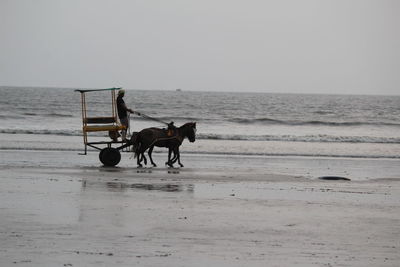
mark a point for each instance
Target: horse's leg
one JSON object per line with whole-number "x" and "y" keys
{"x": 169, "y": 154}
{"x": 143, "y": 147}
{"x": 175, "y": 157}
{"x": 144, "y": 158}
{"x": 139, "y": 159}
{"x": 179, "y": 156}
{"x": 151, "y": 158}
{"x": 137, "y": 146}
{"x": 169, "y": 162}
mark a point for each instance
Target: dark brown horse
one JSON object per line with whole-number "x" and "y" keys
{"x": 150, "y": 137}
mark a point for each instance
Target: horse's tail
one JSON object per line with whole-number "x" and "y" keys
{"x": 136, "y": 143}
{"x": 137, "y": 149}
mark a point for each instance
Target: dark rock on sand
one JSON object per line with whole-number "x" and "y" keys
{"x": 334, "y": 178}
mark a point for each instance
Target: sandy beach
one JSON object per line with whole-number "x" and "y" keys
{"x": 61, "y": 209}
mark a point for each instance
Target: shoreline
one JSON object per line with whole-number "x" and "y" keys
{"x": 356, "y": 169}
{"x": 218, "y": 147}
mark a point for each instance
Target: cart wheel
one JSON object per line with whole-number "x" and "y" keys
{"x": 101, "y": 154}
{"x": 110, "y": 156}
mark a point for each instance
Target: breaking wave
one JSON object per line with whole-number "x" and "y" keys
{"x": 305, "y": 138}
{"x": 322, "y": 138}
{"x": 59, "y": 115}
{"x": 172, "y": 118}
{"x": 311, "y": 122}
{"x": 42, "y": 132}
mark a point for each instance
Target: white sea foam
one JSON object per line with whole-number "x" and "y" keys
{"x": 283, "y": 138}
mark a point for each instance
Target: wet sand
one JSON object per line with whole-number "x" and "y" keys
{"x": 60, "y": 209}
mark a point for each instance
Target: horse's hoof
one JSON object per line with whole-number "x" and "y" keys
{"x": 154, "y": 165}
{"x": 181, "y": 165}
{"x": 140, "y": 166}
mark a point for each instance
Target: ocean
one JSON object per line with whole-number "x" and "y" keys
{"x": 260, "y": 124}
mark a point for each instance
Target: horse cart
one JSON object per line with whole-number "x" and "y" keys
{"x": 109, "y": 150}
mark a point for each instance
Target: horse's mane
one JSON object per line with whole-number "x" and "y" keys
{"x": 190, "y": 124}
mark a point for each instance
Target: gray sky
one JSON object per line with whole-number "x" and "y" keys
{"x": 311, "y": 46}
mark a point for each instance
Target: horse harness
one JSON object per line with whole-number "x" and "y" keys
{"x": 170, "y": 135}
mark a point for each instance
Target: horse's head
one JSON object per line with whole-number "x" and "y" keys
{"x": 190, "y": 131}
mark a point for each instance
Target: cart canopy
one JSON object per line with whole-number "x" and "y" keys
{"x": 95, "y": 90}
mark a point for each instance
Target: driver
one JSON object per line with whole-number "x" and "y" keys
{"x": 123, "y": 113}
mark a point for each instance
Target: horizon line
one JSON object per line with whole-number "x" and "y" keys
{"x": 207, "y": 90}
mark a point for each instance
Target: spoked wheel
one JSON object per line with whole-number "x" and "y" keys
{"x": 110, "y": 156}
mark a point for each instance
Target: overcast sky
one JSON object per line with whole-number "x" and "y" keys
{"x": 310, "y": 46}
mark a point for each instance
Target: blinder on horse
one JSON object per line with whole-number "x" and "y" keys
{"x": 192, "y": 135}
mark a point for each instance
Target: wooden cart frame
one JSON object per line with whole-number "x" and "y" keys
{"x": 109, "y": 155}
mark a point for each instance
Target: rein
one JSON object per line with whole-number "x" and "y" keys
{"x": 149, "y": 117}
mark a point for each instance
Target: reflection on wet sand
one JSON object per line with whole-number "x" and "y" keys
{"x": 157, "y": 187}
{"x": 139, "y": 170}
{"x": 122, "y": 186}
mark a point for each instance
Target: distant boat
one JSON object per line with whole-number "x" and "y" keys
{"x": 179, "y": 90}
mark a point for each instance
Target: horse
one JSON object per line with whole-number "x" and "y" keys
{"x": 150, "y": 137}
